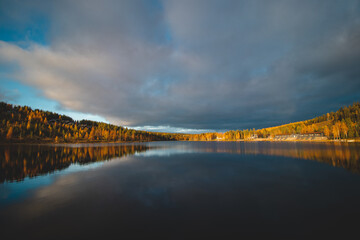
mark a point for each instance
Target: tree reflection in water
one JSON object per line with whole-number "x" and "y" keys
{"x": 20, "y": 161}
{"x": 183, "y": 190}
{"x": 345, "y": 155}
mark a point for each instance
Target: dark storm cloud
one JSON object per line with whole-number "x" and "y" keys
{"x": 195, "y": 64}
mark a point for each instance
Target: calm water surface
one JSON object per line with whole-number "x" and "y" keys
{"x": 180, "y": 190}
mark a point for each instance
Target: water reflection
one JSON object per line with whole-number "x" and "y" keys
{"x": 345, "y": 155}
{"x": 20, "y": 161}
{"x": 183, "y": 190}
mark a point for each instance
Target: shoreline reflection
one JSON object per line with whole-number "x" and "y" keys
{"x": 21, "y": 161}
{"x": 344, "y": 155}
{"x": 18, "y": 162}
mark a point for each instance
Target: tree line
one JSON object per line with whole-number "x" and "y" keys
{"x": 342, "y": 124}
{"x": 23, "y": 124}
{"x": 19, "y": 123}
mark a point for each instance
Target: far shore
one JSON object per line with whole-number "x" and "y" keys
{"x": 51, "y": 141}
{"x": 272, "y": 140}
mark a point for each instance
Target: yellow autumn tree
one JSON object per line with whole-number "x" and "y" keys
{"x": 344, "y": 129}
{"x": 326, "y": 131}
{"x": 9, "y": 133}
{"x": 336, "y": 130}
{"x": 92, "y": 134}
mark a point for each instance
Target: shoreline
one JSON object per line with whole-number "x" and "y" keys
{"x": 271, "y": 140}
{"x": 50, "y": 142}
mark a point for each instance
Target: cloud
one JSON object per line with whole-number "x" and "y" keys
{"x": 193, "y": 64}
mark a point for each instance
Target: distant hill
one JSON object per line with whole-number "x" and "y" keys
{"x": 23, "y": 124}
{"x": 342, "y": 124}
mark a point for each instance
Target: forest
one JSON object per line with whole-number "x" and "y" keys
{"x": 23, "y": 124}
{"x": 342, "y": 124}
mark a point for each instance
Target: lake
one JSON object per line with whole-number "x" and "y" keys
{"x": 180, "y": 190}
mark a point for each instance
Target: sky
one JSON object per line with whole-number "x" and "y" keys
{"x": 181, "y": 66}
